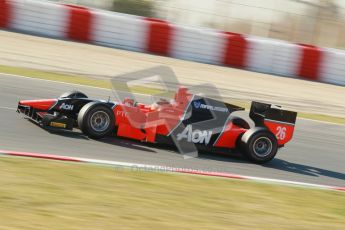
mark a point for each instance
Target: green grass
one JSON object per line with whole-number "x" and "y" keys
{"x": 42, "y": 194}
{"x": 82, "y": 80}
{"x": 102, "y": 83}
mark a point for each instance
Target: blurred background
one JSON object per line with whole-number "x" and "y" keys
{"x": 316, "y": 22}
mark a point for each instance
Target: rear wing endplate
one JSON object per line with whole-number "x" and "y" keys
{"x": 261, "y": 112}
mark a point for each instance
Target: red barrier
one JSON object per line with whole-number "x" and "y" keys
{"x": 5, "y": 13}
{"x": 159, "y": 36}
{"x": 79, "y": 24}
{"x": 235, "y": 51}
{"x": 310, "y": 61}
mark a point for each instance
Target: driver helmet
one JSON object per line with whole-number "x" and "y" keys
{"x": 128, "y": 101}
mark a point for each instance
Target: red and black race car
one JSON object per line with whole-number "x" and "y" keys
{"x": 189, "y": 121}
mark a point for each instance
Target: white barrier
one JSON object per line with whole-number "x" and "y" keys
{"x": 39, "y": 18}
{"x": 271, "y": 56}
{"x": 119, "y": 31}
{"x": 197, "y": 45}
{"x": 333, "y": 67}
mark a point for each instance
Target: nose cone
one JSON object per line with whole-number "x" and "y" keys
{"x": 43, "y": 104}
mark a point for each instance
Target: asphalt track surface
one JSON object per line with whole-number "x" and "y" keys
{"x": 316, "y": 154}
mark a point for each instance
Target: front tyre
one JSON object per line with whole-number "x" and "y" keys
{"x": 96, "y": 120}
{"x": 259, "y": 145}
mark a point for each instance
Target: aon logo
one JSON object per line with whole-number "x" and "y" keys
{"x": 66, "y": 106}
{"x": 196, "y": 136}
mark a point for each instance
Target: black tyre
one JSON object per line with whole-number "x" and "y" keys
{"x": 259, "y": 145}
{"x": 73, "y": 94}
{"x": 96, "y": 120}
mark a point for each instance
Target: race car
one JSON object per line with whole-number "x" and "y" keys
{"x": 188, "y": 121}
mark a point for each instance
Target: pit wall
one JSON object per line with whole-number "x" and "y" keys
{"x": 163, "y": 38}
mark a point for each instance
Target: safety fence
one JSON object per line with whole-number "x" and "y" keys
{"x": 163, "y": 38}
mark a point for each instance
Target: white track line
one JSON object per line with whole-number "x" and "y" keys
{"x": 7, "y": 108}
{"x": 52, "y": 81}
{"x": 156, "y": 168}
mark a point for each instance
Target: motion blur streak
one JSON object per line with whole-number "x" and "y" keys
{"x": 160, "y": 37}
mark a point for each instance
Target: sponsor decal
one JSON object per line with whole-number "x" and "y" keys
{"x": 121, "y": 113}
{"x": 196, "y": 136}
{"x": 57, "y": 125}
{"x": 214, "y": 108}
{"x": 199, "y": 105}
{"x": 65, "y": 106}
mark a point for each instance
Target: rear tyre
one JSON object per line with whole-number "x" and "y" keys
{"x": 259, "y": 145}
{"x": 96, "y": 120}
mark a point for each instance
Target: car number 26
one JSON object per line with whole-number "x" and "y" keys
{"x": 281, "y": 133}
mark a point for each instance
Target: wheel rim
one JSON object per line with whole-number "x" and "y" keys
{"x": 100, "y": 121}
{"x": 263, "y": 146}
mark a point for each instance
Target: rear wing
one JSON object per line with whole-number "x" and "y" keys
{"x": 280, "y": 122}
